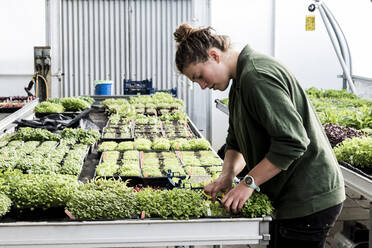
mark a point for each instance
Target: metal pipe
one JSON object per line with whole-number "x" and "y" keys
{"x": 340, "y": 43}
{"x": 358, "y": 78}
{"x": 342, "y": 62}
{"x": 337, "y": 28}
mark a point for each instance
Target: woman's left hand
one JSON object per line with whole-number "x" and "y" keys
{"x": 235, "y": 198}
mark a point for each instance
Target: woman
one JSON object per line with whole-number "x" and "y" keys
{"x": 274, "y": 131}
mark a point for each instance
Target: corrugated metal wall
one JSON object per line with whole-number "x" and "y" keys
{"x": 129, "y": 39}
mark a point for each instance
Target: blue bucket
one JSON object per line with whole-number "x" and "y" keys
{"x": 103, "y": 89}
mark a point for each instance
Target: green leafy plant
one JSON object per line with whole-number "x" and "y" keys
{"x": 168, "y": 155}
{"x": 195, "y": 171}
{"x": 5, "y": 204}
{"x": 129, "y": 170}
{"x": 49, "y": 107}
{"x": 199, "y": 144}
{"x": 258, "y": 205}
{"x": 15, "y": 144}
{"x": 161, "y": 144}
{"x": 107, "y": 169}
{"x": 190, "y": 161}
{"x": 103, "y": 199}
{"x": 87, "y": 137}
{"x": 74, "y": 104}
{"x": 126, "y": 162}
{"x": 210, "y": 161}
{"x": 130, "y": 155}
{"x": 151, "y": 171}
{"x": 38, "y": 191}
{"x": 29, "y": 146}
{"x": 176, "y": 203}
{"x": 355, "y": 151}
{"x": 126, "y": 145}
{"x": 71, "y": 167}
{"x": 108, "y": 146}
{"x": 111, "y": 156}
{"x": 34, "y": 134}
{"x": 180, "y": 144}
{"x": 143, "y": 144}
{"x": 341, "y": 108}
{"x": 88, "y": 99}
{"x": 174, "y": 167}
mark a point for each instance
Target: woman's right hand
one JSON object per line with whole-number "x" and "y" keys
{"x": 222, "y": 183}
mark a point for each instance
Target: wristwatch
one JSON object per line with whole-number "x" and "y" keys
{"x": 249, "y": 182}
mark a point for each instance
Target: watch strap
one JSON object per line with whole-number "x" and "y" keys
{"x": 253, "y": 185}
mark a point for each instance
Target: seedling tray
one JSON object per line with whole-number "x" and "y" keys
{"x": 70, "y": 114}
{"x": 150, "y": 136}
{"x": 38, "y": 214}
{"x": 162, "y": 181}
{"x": 135, "y": 180}
{"x": 171, "y": 110}
{"x": 117, "y": 125}
{"x": 9, "y": 110}
{"x": 83, "y": 160}
{"x": 117, "y": 136}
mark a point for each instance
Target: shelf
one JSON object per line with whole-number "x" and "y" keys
{"x": 134, "y": 233}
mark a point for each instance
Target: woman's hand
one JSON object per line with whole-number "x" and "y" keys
{"x": 221, "y": 184}
{"x": 235, "y": 198}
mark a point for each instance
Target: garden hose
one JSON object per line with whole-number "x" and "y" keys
{"x": 37, "y": 76}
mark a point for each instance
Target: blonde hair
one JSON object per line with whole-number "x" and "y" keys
{"x": 193, "y": 44}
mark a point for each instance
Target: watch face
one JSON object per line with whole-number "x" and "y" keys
{"x": 248, "y": 180}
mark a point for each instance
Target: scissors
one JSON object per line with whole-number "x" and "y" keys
{"x": 218, "y": 197}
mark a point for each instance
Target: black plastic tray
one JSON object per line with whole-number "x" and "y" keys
{"x": 119, "y": 139}
{"x": 70, "y": 114}
{"x": 9, "y": 110}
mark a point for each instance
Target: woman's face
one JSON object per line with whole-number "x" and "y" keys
{"x": 211, "y": 74}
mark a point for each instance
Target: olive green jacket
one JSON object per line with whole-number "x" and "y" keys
{"x": 271, "y": 116}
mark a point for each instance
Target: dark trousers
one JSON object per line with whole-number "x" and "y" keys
{"x": 304, "y": 232}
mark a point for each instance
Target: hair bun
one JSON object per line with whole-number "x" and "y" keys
{"x": 183, "y": 32}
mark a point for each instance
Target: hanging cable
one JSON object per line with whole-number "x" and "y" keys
{"x": 37, "y": 76}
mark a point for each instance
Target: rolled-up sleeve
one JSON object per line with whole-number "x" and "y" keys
{"x": 270, "y": 104}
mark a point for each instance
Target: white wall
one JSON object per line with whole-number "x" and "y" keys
{"x": 355, "y": 19}
{"x": 22, "y": 27}
{"x": 310, "y": 54}
{"x": 246, "y": 22}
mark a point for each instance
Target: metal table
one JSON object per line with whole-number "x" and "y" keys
{"x": 25, "y": 112}
{"x": 363, "y": 186}
{"x": 136, "y": 233}
{"x": 132, "y": 233}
